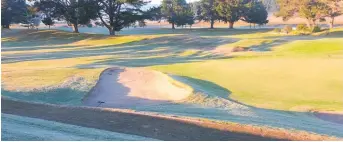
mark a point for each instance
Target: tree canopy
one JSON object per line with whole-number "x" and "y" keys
{"x": 256, "y": 13}
{"x": 311, "y": 10}
{"x": 12, "y": 11}
{"x": 117, "y": 14}
{"x": 75, "y": 12}
{"x": 230, "y": 11}
{"x": 208, "y": 12}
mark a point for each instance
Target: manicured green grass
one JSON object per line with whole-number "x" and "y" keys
{"x": 298, "y": 73}
{"x": 296, "y": 78}
{"x": 312, "y": 47}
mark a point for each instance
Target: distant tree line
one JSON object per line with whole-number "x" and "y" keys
{"x": 312, "y": 10}
{"x": 118, "y": 14}
{"x": 178, "y": 12}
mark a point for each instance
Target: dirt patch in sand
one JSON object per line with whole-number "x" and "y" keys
{"x": 332, "y": 117}
{"x": 124, "y": 87}
{"x": 162, "y": 127}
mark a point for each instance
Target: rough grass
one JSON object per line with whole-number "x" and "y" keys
{"x": 296, "y": 75}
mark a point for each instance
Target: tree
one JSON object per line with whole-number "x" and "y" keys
{"x": 35, "y": 22}
{"x": 12, "y": 11}
{"x": 170, "y": 9}
{"x": 311, "y": 10}
{"x": 184, "y": 16}
{"x": 117, "y": 14}
{"x": 48, "y": 21}
{"x": 270, "y": 5}
{"x": 256, "y": 13}
{"x": 208, "y": 12}
{"x": 154, "y": 14}
{"x": 230, "y": 11}
{"x": 333, "y": 9}
{"x": 75, "y": 12}
{"x": 32, "y": 19}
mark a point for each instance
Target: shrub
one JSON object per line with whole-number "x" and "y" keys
{"x": 89, "y": 25}
{"x": 316, "y": 29}
{"x": 302, "y": 27}
{"x": 277, "y": 30}
{"x": 287, "y": 29}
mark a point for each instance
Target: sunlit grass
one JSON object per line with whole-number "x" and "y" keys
{"x": 246, "y": 43}
{"x": 188, "y": 52}
{"x": 312, "y": 47}
{"x": 296, "y": 75}
{"x": 8, "y": 39}
{"x": 46, "y": 73}
{"x": 258, "y": 35}
{"x": 273, "y": 83}
{"x": 41, "y": 79}
{"x": 298, "y": 80}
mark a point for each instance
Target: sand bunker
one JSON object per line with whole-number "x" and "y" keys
{"x": 127, "y": 87}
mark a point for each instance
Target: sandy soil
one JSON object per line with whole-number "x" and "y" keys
{"x": 123, "y": 87}
{"x": 151, "y": 125}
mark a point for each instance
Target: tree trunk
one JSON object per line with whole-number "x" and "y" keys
{"x": 308, "y": 23}
{"x": 314, "y": 22}
{"x": 332, "y": 22}
{"x": 75, "y": 28}
{"x": 212, "y": 24}
{"x": 250, "y": 25}
{"x": 49, "y": 26}
{"x": 254, "y": 26}
{"x": 231, "y": 25}
{"x": 173, "y": 26}
{"x": 111, "y": 30}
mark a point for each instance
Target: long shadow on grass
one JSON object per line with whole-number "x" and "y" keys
{"x": 218, "y": 105}
{"x": 25, "y": 38}
{"x": 163, "y": 50}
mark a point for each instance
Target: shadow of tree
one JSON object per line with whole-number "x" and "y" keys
{"x": 162, "y": 50}
{"x": 219, "y": 106}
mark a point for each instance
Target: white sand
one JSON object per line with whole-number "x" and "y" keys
{"x": 127, "y": 87}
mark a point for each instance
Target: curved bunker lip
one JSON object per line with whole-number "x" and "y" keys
{"x": 131, "y": 87}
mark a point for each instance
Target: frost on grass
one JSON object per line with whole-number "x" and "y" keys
{"x": 69, "y": 92}
{"x": 25, "y": 128}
